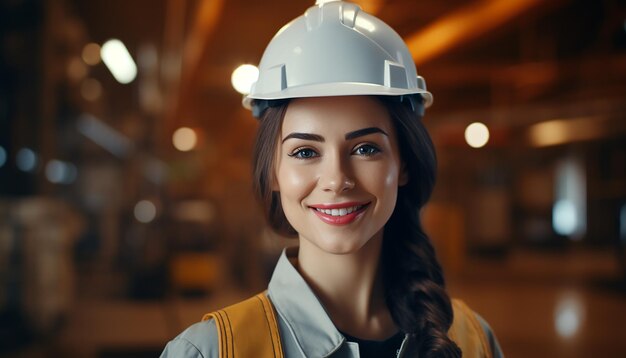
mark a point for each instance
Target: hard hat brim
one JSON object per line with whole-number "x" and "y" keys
{"x": 337, "y": 89}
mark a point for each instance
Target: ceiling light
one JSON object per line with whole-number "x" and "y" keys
{"x": 185, "y": 139}
{"x": 477, "y": 135}
{"x": 118, "y": 60}
{"x": 244, "y": 77}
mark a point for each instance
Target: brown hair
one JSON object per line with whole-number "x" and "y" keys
{"x": 263, "y": 169}
{"x": 414, "y": 283}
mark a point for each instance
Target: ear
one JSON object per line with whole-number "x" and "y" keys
{"x": 403, "y": 177}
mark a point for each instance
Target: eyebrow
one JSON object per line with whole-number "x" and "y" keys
{"x": 305, "y": 136}
{"x": 364, "y": 132}
{"x": 349, "y": 135}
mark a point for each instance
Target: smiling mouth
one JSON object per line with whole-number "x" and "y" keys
{"x": 339, "y": 214}
{"x": 342, "y": 211}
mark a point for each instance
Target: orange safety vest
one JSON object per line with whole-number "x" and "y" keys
{"x": 249, "y": 329}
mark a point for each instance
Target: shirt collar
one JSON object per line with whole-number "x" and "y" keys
{"x": 303, "y": 313}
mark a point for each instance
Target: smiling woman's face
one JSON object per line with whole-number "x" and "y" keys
{"x": 338, "y": 170}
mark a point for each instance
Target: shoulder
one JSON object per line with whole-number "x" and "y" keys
{"x": 470, "y": 330}
{"x": 197, "y": 341}
{"x": 491, "y": 337}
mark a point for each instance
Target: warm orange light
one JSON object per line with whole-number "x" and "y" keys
{"x": 462, "y": 25}
{"x": 370, "y": 6}
{"x": 91, "y": 54}
{"x": 560, "y": 131}
{"x": 76, "y": 69}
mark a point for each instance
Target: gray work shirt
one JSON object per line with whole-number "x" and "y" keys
{"x": 305, "y": 328}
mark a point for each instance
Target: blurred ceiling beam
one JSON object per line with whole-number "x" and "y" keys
{"x": 193, "y": 51}
{"x": 598, "y": 68}
{"x": 568, "y": 130}
{"x": 198, "y": 39}
{"x": 370, "y": 6}
{"x": 398, "y": 13}
{"x": 463, "y": 25}
{"x": 173, "y": 35}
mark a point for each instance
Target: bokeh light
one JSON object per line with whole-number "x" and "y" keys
{"x": 622, "y": 223}
{"x": 185, "y": 139}
{"x": 477, "y": 135}
{"x": 3, "y": 156}
{"x": 91, "y": 89}
{"x": 145, "y": 211}
{"x": 26, "y": 160}
{"x": 91, "y": 54}
{"x": 118, "y": 60}
{"x": 60, "y": 172}
{"x": 568, "y": 316}
{"x": 76, "y": 69}
{"x": 569, "y": 210}
{"x": 564, "y": 217}
{"x": 244, "y": 77}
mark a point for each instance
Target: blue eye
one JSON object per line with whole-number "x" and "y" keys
{"x": 367, "y": 150}
{"x": 304, "y": 153}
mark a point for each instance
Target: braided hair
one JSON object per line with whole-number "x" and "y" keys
{"x": 413, "y": 278}
{"x": 414, "y": 283}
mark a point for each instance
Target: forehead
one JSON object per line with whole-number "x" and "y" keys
{"x": 339, "y": 115}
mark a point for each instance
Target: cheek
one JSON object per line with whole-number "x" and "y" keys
{"x": 293, "y": 182}
{"x": 391, "y": 180}
{"x": 380, "y": 178}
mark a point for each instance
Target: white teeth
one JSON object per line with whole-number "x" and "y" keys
{"x": 339, "y": 212}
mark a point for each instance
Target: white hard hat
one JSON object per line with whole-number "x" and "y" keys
{"x": 336, "y": 49}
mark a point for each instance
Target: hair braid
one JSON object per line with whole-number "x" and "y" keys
{"x": 414, "y": 280}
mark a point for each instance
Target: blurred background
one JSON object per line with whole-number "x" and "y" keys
{"x": 125, "y": 204}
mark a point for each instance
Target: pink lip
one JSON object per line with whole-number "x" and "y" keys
{"x": 339, "y": 220}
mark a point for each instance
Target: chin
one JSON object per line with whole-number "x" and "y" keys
{"x": 337, "y": 244}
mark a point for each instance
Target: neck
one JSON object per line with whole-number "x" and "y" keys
{"x": 350, "y": 287}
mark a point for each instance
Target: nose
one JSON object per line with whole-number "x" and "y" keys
{"x": 335, "y": 176}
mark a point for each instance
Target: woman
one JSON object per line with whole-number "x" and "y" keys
{"x": 344, "y": 163}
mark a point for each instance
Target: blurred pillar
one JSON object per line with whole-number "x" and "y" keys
{"x": 445, "y": 225}
{"x": 490, "y": 218}
{"x": 47, "y": 231}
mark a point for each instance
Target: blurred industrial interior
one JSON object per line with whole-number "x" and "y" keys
{"x": 125, "y": 204}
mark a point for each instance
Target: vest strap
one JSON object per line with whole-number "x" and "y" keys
{"x": 467, "y": 332}
{"x": 248, "y": 329}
